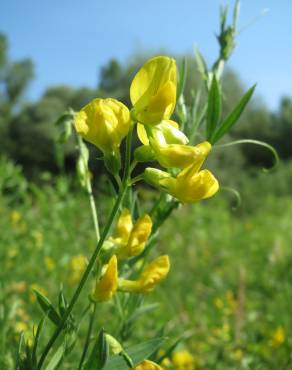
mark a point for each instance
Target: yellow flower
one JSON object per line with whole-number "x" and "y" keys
{"x": 152, "y": 275}
{"x": 147, "y": 365}
{"x": 183, "y": 360}
{"x": 175, "y": 155}
{"x": 278, "y": 337}
{"x": 50, "y": 263}
{"x": 104, "y": 123}
{"x": 191, "y": 184}
{"x": 20, "y": 327}
{"x": 124, "y": 227}
{"x": 77, "y": 265}
{"x": 106, "y": 287}
{"x": 15, "y": 217}
{"x": 130, "y": 240}
{"x": 153, "y": 90}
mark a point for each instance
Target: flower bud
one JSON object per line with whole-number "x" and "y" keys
{"x": 104, "y": 123}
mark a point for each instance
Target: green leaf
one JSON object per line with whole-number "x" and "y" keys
{"x": 137, "y": 353}
{"x": 47, "y": 307}
{"x": 182, "y": 78}
{"x": 233, "y": 116}
{"x": 99, "y": 353}
{"x": 56, "y": 359}
{"x": 142, "y": 311}
{"x": 62, "y": 303}
{"x": 214, "y": 108}
{"x": 37, "y": 337}
{"x": 201, "y": 64}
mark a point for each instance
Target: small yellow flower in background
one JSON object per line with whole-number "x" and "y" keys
{"x": 183, "y": 360}
{"x": 129, "y": 239}
{"x": 152, "y": 275}
{"x": 15, "y": 217}
{"x": 218, "y": 302}
{"x": 153, "y": 90}
{"x": 104, "y": 123}
{"x": 20, "y": 327}
{"x": 50, "y": 263}
{"x": 237, "y": 354}
{"x": 106, "y": 287}
{"x": 278, "y": 337}
{"x": 147, "y": 365}
{"x": 13, "y": 251}
{"x": 191, "y": 184}
{"x": 77, "y": 265}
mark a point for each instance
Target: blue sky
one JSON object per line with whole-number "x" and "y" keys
{"x": 69, "y": 40}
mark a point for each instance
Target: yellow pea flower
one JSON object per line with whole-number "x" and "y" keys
{"x": 124, "y": 226}
{"x": 175, "y": 155}
{"x": 129, "y": 239}
{"x": 153, "y": 90}
{"x": 137, "y": 239}
{"x": 104, "y": 123}
{"x": 106, "y": 287}
{"x": 147, "y": 365}
{"x": 191, "y": 184}
{"x": 168, "y": 144}
{"x": 152, "y": 275}
{"x": 183, "y": 360}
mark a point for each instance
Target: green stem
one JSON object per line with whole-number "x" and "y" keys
{"x": 94, "y": 255}
{"x": 84, "y": 278}
{"x": 89, "y": 192}
{"x": 89, "y": 331}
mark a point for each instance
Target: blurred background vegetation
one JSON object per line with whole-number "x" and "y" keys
{"x": 232, "y": 268}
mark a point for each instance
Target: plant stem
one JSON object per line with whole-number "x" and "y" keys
{"x": 89, "y": 330}
{"x": 94, "y": 255}
{"x": 89, "y": 192}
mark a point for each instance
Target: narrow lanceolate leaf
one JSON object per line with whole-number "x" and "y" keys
{"x": 137, "y": 354}
{"x": 201, "y": 64}
{"x": 36, "y": 339}
{"x": 182, "y": 78}
{"x": 56, "y": 359}
{"x": 47, "y": 307}
{"x": 233, "y": 116}
{"x": 214, "y": 108}
{"x": 99, "y": 354}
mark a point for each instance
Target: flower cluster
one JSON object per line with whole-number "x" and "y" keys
{"x": 105, "y": 123}
{"x": 129, "y": 241}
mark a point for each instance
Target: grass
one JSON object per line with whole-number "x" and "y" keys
{"x": 229, "y": 290}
